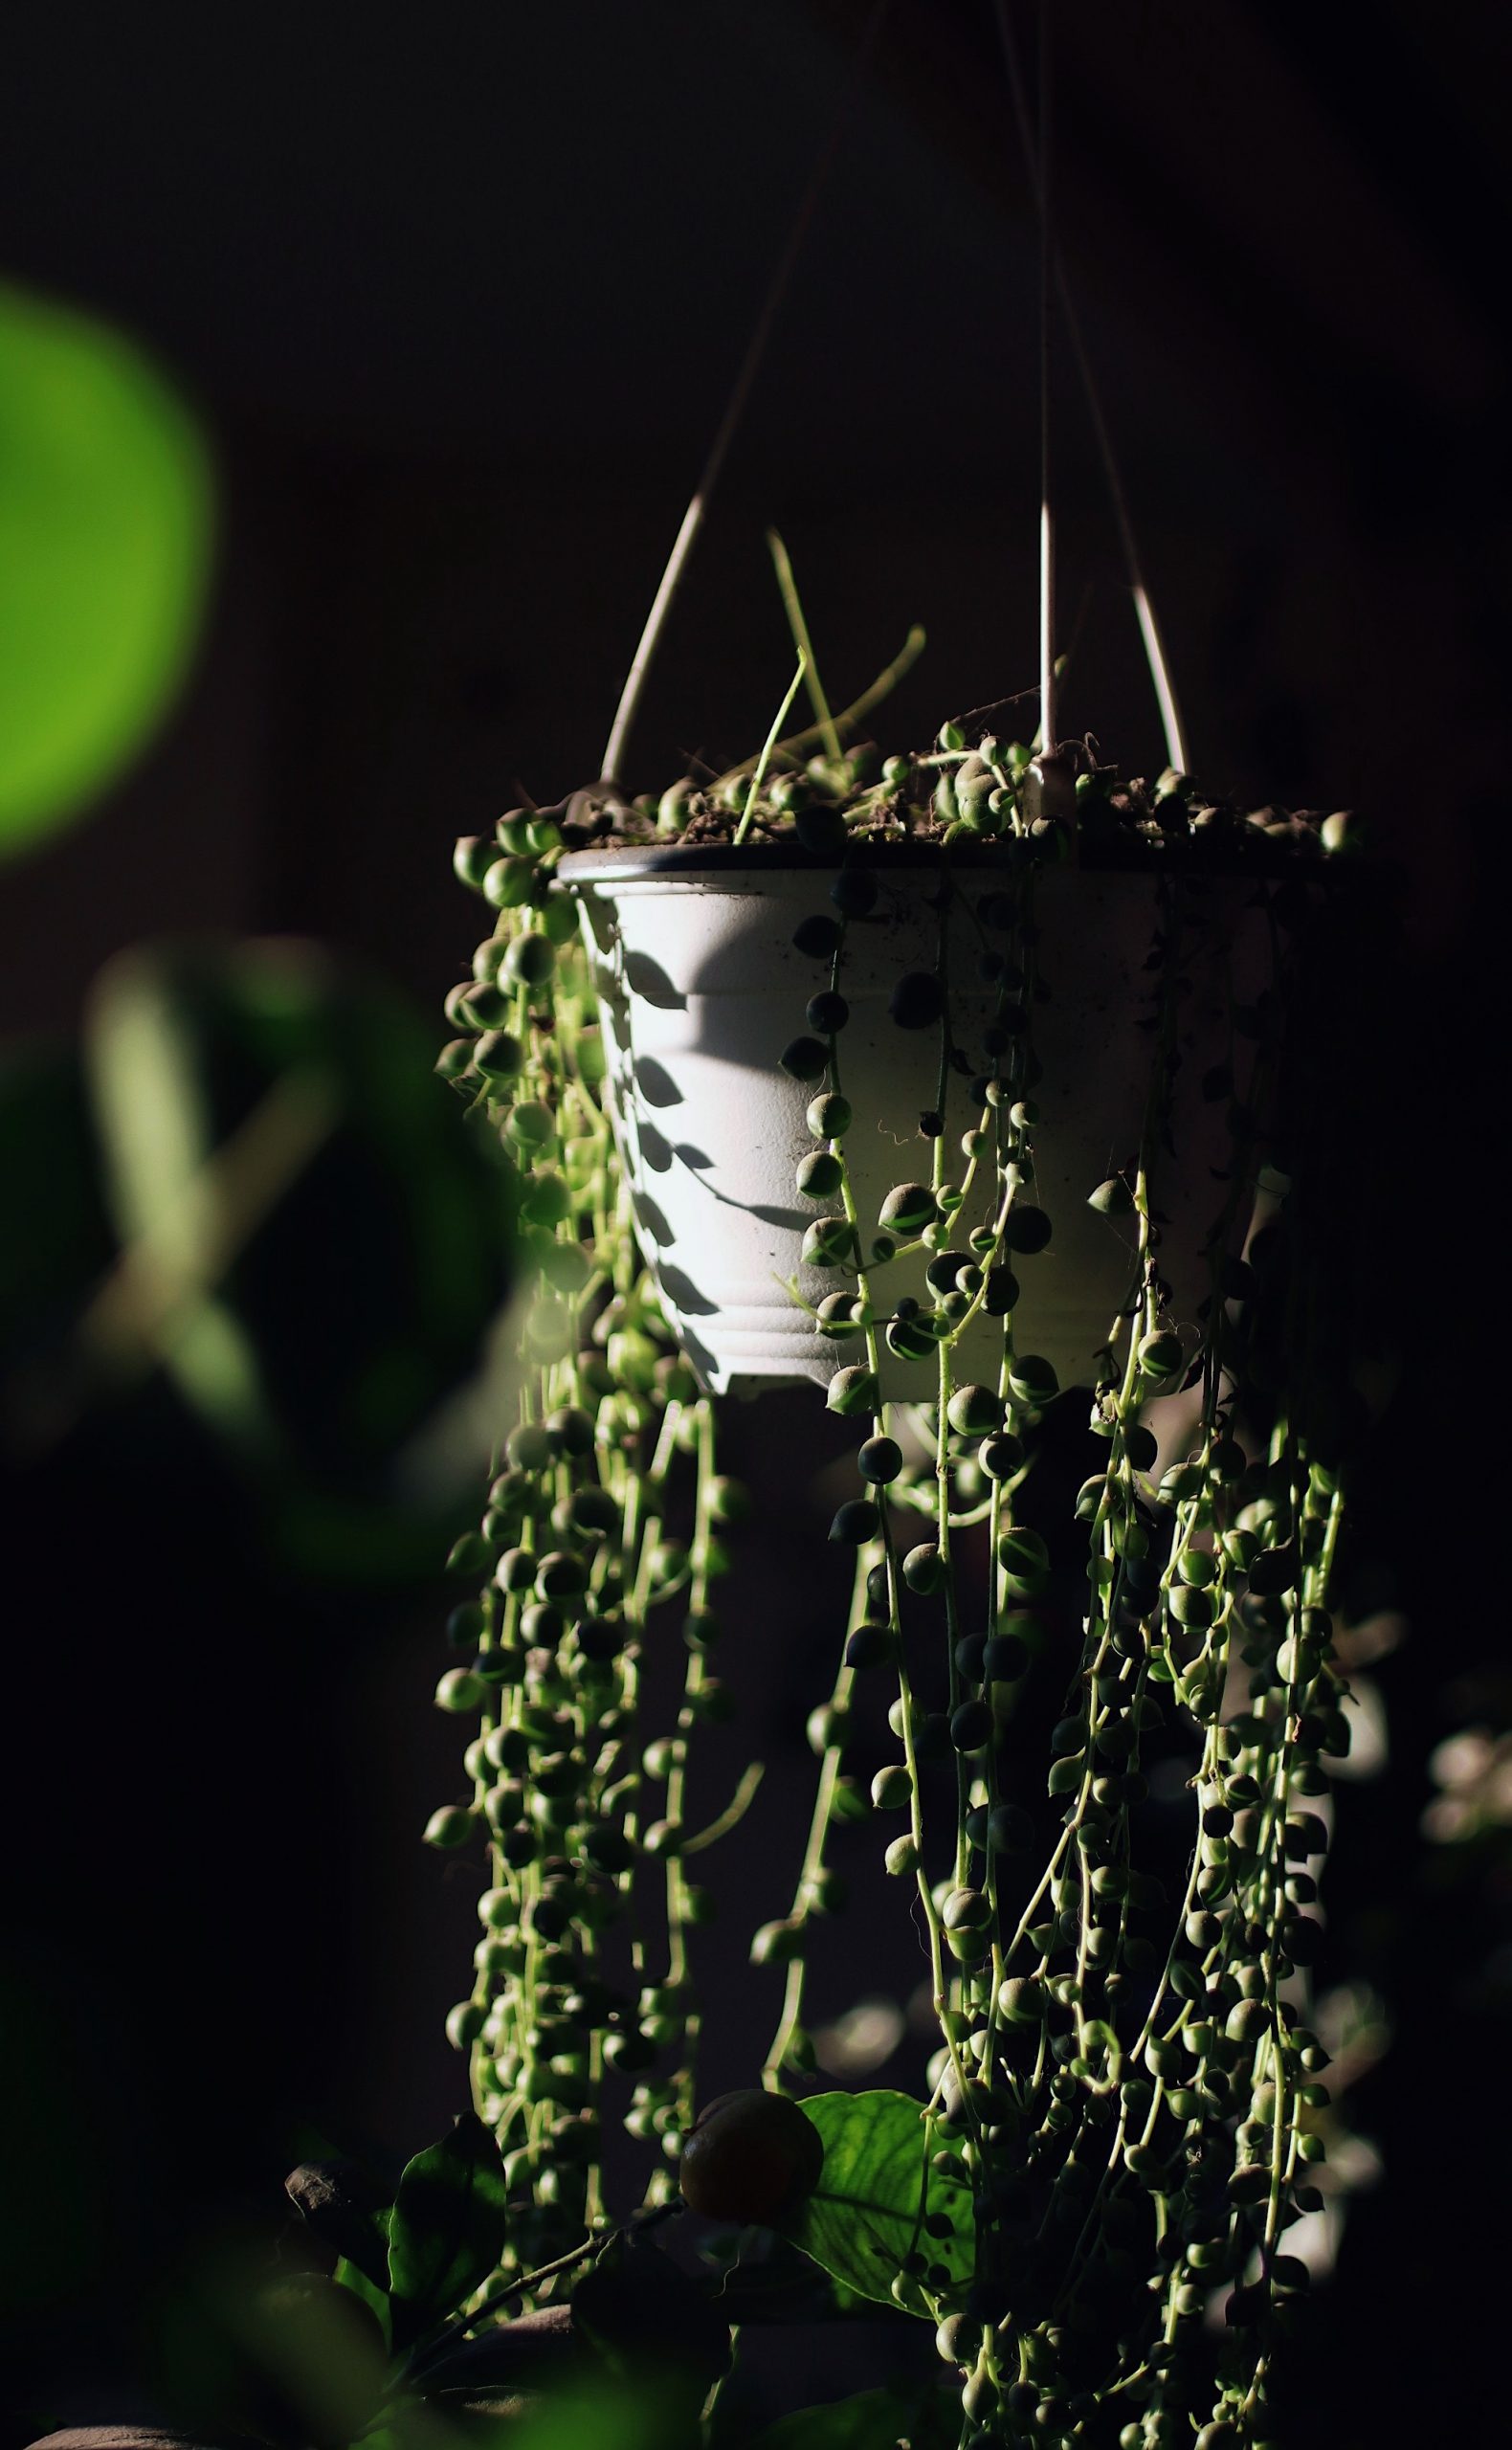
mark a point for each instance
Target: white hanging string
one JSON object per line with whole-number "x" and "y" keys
{"x": 694, "y": 516}
{"x": 1047, "y": 532}
{"x": 1144, "y": 610}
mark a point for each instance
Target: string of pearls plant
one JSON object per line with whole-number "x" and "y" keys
{"x": 1125, "y": 2080}
{"x": 607, "y": 1505}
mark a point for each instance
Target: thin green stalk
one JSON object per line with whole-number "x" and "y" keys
{"x": 811, "y": 1869}
{"x": 803, "y": 644}
{"x": 765, "y": 759}
{"x": 850, "y": 717}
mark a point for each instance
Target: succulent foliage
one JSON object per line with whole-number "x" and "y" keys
{"x": 1123, "y": 2121}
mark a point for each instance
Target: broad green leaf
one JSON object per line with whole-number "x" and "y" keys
{"x": 871, "y": 2421}
{"x": 105, "y": 524}
{"x": 868, "y": 2210}
{"x": 448, "y": 2228}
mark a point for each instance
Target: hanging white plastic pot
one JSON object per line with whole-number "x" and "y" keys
{"x": 701, "y": 988}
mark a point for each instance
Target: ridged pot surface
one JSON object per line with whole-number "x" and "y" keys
{"x": 701, "y": 988}
{"x": 135, "y": 2436}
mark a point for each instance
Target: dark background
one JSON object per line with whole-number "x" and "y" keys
{"x": 460, "y": 294}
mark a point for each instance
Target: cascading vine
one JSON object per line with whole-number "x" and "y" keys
{"x": 1130, "y": 2090}
{"x": 1126, "y": 2089}
{"x": 604, "y": 1511}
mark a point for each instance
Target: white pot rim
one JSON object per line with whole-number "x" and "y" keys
{"x": 1229, "y": 856}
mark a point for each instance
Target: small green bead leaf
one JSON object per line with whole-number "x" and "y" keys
{"x": 506, "y": 882}
{"x": 828, "y": 1116}
{"x": 868, "y": 2210}
{"x": 1025, "y": 1561}
{"x": 674, "y": 808}
{"x": 821, "y": 831}
{"x": 778, "y": 1942}
{"x": 1160, "y": 1356}
{"x": 911, "y": 1339}
{"x": 1033, "y": 1380}
{"x": 855, "y": 1522}
{"x": 880, "y": 1461}
{"x": 1112, "y": 1198}
{"x": 804, "y": 1058}
{"x": 818, "y": 937}
{"x": 853, "y": 1391}
{"x": 1026, "y": 1230}
{"x": 471, "y": 860}
{"x": 1191, "y": 1606}
{"x": 924, "y": 1569}
{"x": 448, "y": 2228}
{"x": 819, "y": 1174}
{"x": 1275, "y": 1570}
{"x": 829, "y": 1241}
{"x": 975, "y": 1411}
{"x": 850, "y": 1803}
{"x": 917, "y": 1000}
{"x": 908, "y": 1208}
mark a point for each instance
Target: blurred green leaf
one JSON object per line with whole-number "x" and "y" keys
{"x": 448, "y": 2227}
{"x": 604, "y": 2419}
{"x": 323, "y": 2348}
{"x": 56, "y": 2238}
{"x": 105, "y": 532}
{"x": 351, "y": 2276}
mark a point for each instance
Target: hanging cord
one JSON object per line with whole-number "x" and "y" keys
{"x": 1149, "y": 628}
{"x": 692, "y": 517}
{"x": 1047, "y": 533}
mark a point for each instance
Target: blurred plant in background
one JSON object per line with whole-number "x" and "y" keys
{"x": 247, "y": 1190}
{"x": 253, "y": 1274}
{"x": 1473, "y": 1771}
{"x": 247, "y": 1199}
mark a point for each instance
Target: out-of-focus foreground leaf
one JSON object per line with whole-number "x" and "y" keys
{"x": 105, "y": 534}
